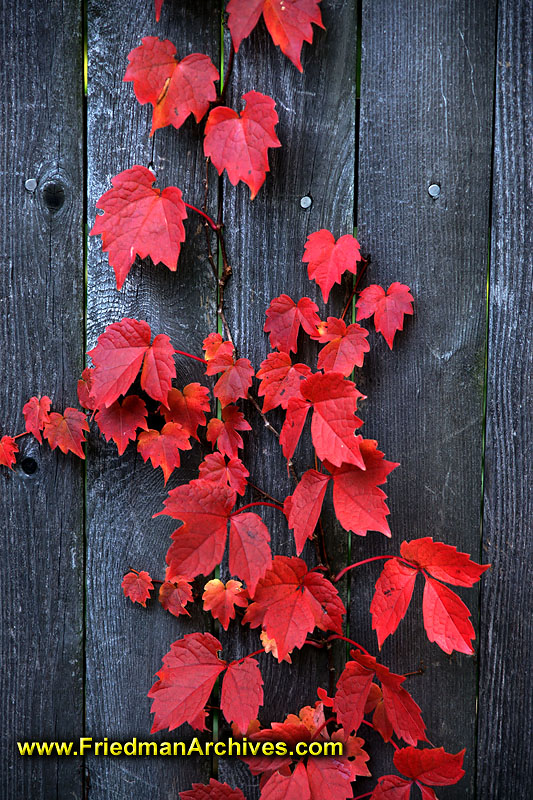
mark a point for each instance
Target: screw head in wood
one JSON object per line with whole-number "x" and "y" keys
{"x": 30, "y": 185}
{"x": 306, "y": 202}
{"x": 434, "y": 190}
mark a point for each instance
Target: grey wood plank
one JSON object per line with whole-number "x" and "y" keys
{"x": 505, "y": 765}
{"x": 41, "y": 351}
{"x": 266, "y": 241}
{"x": 125, "y": 644}
{"x": 426, "y": 110}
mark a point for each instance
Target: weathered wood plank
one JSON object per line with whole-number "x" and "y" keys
{"x": 426, "y": 110}
{"x": 266, "y": 242}
{"x": 505, "y": 766}
{"x": 41, "y": 351}
{"x": 125, "y": 644}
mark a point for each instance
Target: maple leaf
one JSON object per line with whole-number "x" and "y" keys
{"x": 224, "y": 432}
{"x": 120, "y": 421}
{"x": 66, "y": 431}
{"x": 137, "y": 586}
{"x": 174, "y": 595}
{"x": 221, "y": 599}
{"x": 35, "y": 413}
{"x": 118, "y": 356}
{"x": 233, "y": 473}
{"x": 215, "y": 347}
{"x": 287, "y": 21}
{"x": 290, "y": 602}
{"x": 85, "y": 385}
{"x": 239, "y": 144}
{"x": 345, "y": 348}
{"x": 187, "y": 407}
{"x": 328, "y": 259}
{"x": 8, "y": 448}
{"x": 353, "y": 688}
{"x": 186, "y": 680}
{"x": 242, "y": 693}
{"x": 447, "y": 619}
{"x": 284, "y": 318}
{"x": 443, "y": 561}
{"x": 270, "y": 646}
{"x": 163, "y": 448}
{"x": 388, "y": 309}
{"x": 139, "y": 220}
{"x": 280, "y": 380}
{"x": 174, "y": 88}
{"x": 214, "y": 790}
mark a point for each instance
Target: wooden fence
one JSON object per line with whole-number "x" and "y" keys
{"x": 396, "y": 95}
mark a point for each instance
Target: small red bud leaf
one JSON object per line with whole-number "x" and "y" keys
{"x": 137, "y": 586}
{"x": 36, "y": 413}
{"x": 66, "y": 431}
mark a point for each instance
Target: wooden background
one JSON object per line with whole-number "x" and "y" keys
{"x": 395, "y": 95}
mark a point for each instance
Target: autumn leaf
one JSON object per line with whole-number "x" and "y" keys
{"x": 346, "y": 346}
{"x": 187, "y": 407}
{"x": 447, "y": 619}
{"x": 224, "y": 432}
{"x": 174, "y": 88}
{"x": 120, "y": 421}
{"x": 443, "y": 561}
{"x": 232, "y": 473}
{"x": 287, "y": 785}
{"x": 284, "y": 318}
{"x": 353, "y": 688}
{"x": 214, "y": 790}
{"x": 242, "y": 693}
{"x": 35, "y": 413}
{"x": 174, "y": 595}
{"x": 85, "y": 386}
{"x": 433, "y": 766}
{"x": 394, "y": 589}
{"x": 139, "y": 220}
{"x": 163, "y": 447}
{"x": 249, "y": 548}
{"x": 8, "y": 449}
{"x": 221, "y": 599}
{"x": 137, "y": 586}
{"x": 392, "y": 787}
{"x": 280, "y": 380}
{"x": 239, "y": 143}
{"x": 328, "y": 259}
{"x": 287, "y": 21}
{"x": 388, "y": 309}
{"x": 66, "y": 431}
{"x": 303, "y": 508}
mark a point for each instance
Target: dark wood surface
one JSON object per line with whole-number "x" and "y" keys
{"x": 77, "y": 657}
{"x": 505, "y": 767}
{"x": 41, "y": 331}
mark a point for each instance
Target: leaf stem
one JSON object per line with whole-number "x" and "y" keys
{"x": 368, "y": 561}
{"x": 250, "y": 655}
{"x": 265, "y": 494}
{"x": 366, "y": 262}
{"x": 391, "y": 741}
{"x": 190, "y": 355}
{"x": 258, "y": 503}
{"x": 25, "y": 433}
{"x": 350, "y": 641}
{"x": 322, "y": 726}
{"x": 203, "y": 214}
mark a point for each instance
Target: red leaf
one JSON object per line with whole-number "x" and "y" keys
{"x": 36, "y": 414}
{"x": 381, "y": 721}
{"x": 330, "y": 778}
{"x": 290, "y": 602}
{"x": 392, "y": 787}
{"x": 249, "y": 548}
{"x": 224, "y": 432}
{"x": 293, "y": 425}
{"x": 187, "y": 407}
{"x": 280, "y": 380}
{"x": 426, "y": 793}
{"x": 66, "y": 431}
{"x": 139, "y": 220}
{"x": 328, "y": 259}
{"x": 158, "y": 368}
{"x": 8, "y": 448}
{"x": 443, "y": 561}
{"x": 305, "y": 506}
{"x": 353, "y": 688}
{"x": 174, "y": 88}
{"x": 137, "y": 586}
{"x": 239, "y": 144}
{"x": 346, "y": 346}
{"x": 85, "y": 388}
{"x": 447, "y": 619}
{"x": 284, "y": 318}
{"x": 388, "y": 309}
{"x": 215, "y": 347}
{"x": 242, "y": 693}
{"x": 435, "y": 767}
{"x": 233, "y": 473}
{"x": 174, "y": 595}
{"x": 234, "y": 382}
{"x": 187, "y": 677}
{"x": 120, "y": 421}
{"x": 288, "y": 22}
{"x": 214, "y": 790}
{"x": 163, "y": 448}
{"x": 221, "y": 600}
{"x": 290, "y": 786}
{"x": 394, "y": 589}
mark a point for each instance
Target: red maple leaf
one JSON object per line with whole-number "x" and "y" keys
{"x": 288, "y": 22}
{"x": 66, "y": 431}
{"x": 85, "y": 385}
{"x": 139, "y": 220}
{"x": 174, "y": 595}
{"x": 433, "y": 766}
{"x": 234, "y": 381}
{"x": 284, "y": 318}
{"x": 232, "y": 473}
{"x": 388, "y": 309}
{"x": 137, "y": 586}
{"x": 290, "y": 602}
{"x": 36, "y": 414}
{"x": 221, "y": 599}
{"x": 8, "y": 448}
{"x": 187, "y": 407}
{"x": 239, "y": 144}
{"x": 174, "y": 88}
{"x": 214, "y": 790}
{"x": 249, "y": 548}
{"x": 120, "y": 421}
{"x": 242, "y": 693}
{"x": 345, "y": 348}
{"x": 328, "y": 259}
{"x": 214, "y": 346}
{"x": 117, "y": 359}
{"x": 280, "y": 380}
{"x": 163, "y": 448}
{"x": 224, "y": 432}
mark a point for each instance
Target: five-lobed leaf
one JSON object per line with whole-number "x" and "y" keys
{"x": 388, "y": 308}
{"x": 232, "y": 473}
{"x": 328, "y": 259}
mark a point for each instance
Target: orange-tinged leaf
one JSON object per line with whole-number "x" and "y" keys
{"x": 137, "y": 586}
{"x": 328, "y": 259}
{"x": 139, "y": 220}
{"x": 232, "y": 473}
{"x": 280, "y": 380}
{"x": 66, "y": 431}
{"x": 394, "y": 589}
{"x": 234, "y": 382}
{"x": 388, "y": 308}
{"x": 174, "y": 88}
{"x": 120, "y": 421}
{"x": 163, "y": 448}
{"x": 221, "y": 599}
{"x": 284, "y": 318}
{"x": 224, "y": 432}
{"x": 174, "y": 595}
{"x": 8, "y": 448}
{"x": 435, "y": 767}
{"x": 443, "y": 561}
{"x": 447, "y": 619}
{"x": 242, "y": 693}
{"x": 214, "y": 790}
{"x": 187, "y": 407}
{"x": 346, "y": 346}
{"x": 36, "y": 413}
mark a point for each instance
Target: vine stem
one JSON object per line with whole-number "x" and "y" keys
{"x": 368, "y": 561}
{"x": 190, "y": 355}
{"x": 265, "y": 494}
{"x": 258, "y": 503}
{"x": 25, "y": 433}
{"x": 322, "y": 726}
{"x": 260, "y": 411}
{"x": 350, "y": 641}
{"x": 361, "y": 796}
{"x": 250, "y": 655}
{"x": 366, "y": 262}
{"x": 203, "y": 214}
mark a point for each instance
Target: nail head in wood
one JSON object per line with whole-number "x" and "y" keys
{"x": 306, "y": 202}
{"x": 30, "y": 185}
{"x": 434, "y": 190}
